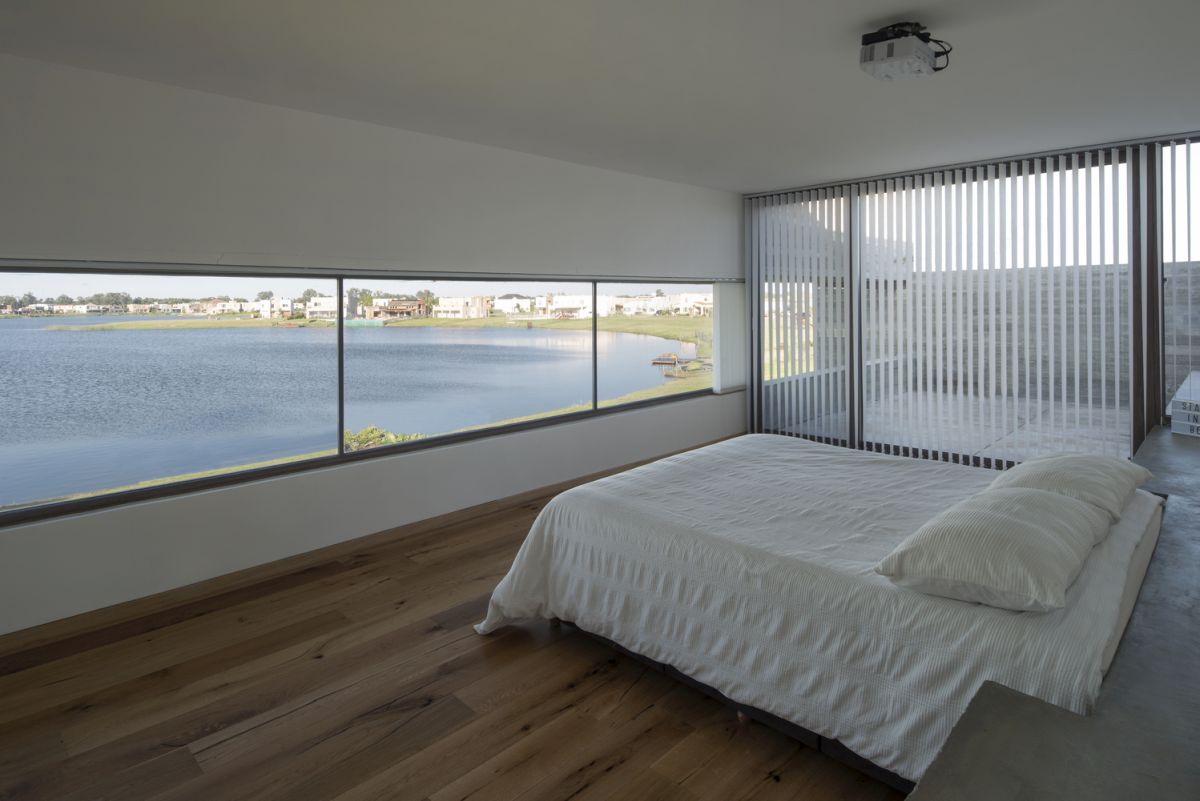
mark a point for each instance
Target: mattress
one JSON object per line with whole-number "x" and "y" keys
{"x": 749, "y": 566}
{"x": 1139, "y": 563}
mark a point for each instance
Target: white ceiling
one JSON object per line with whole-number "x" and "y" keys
{"x": 743, "y": 94}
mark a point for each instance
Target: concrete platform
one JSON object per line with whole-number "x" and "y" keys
{"x": 1143, "y": 740}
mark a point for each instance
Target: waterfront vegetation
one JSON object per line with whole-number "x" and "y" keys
{"x": 374, "y": 437}
{"x": 215, "y": 321}
{"x": 683, "y": 328}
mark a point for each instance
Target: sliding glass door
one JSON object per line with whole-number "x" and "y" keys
{"x": 995, "y": 316}
{"x": 983, "y": 314}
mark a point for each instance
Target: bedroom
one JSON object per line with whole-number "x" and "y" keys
{"x": 319, "y": 322}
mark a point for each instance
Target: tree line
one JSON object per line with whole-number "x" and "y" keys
{"x": 120, "y": 299}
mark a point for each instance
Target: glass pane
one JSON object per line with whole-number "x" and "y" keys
{"x": 1180, "y": 204}
{"x": 653, "y": 340}
{"x": 116, "y": 382}
{"x": 804, "y": 263}
{"x": 995, "y": 318}
{"x": 425, "y": 358}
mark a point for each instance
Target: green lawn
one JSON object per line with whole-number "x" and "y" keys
{"x": 684, "y": 329}
{"x": 207, "y": 322}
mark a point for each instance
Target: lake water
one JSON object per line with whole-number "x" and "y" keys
{"x": 88, "y": 410}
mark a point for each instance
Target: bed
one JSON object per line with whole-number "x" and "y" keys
{"x": 748, "y": 566}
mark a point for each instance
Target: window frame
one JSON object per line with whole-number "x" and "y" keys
{"x": 1143, "y": 159}
{"x": 37, "y": 512}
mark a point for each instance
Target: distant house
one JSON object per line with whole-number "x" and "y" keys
{"x": 141, "y": 308}
{"x": 640, "y": 304}
{"x": 79, "y": 308}
{"x": 274, "y": 307}
{"x": 402, "y": 308}
{"x": 325, "y": 308}
{"x": 322, "y": 308}
{"x": 227, "y": 307}
{"x": 513, "y": 303}
{"x": 7, "y": 310}
{"x": 695, "y": 304}
{"x": 472, "y": 308}
{"x": 571, "y": 307}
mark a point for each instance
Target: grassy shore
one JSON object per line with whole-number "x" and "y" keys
{"x": 697, "y": 330}
{"x": 205, "y": 322}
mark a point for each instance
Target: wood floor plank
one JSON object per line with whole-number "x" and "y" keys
{"x": 752, "y": 753}
{"x": 354, "y": 674}
{"x": 140, "y": 781}
{"x": 112, "y": 663}
{"x": 313, "y": 674}
{"x": 87, "y": 641}
{"x": 426, "y": 772}
{"x": 562, "y": 752}
{"x": 23, "y": 754}
{"x": 632, "y": 741}
{"x": 162, "y": 695}
{"x": 792, "y": 779}
{"x": 309, "y": 726}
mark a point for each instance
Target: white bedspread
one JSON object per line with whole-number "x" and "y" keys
{"x": 748, "y": 565}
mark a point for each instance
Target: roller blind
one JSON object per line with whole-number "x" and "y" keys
{"x": 980, "y": 314}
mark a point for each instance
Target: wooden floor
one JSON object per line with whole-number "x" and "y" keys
{"x": 353, "y": 673}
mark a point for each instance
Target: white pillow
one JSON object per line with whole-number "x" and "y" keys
{"x": 1012, "y": 548}
{"x": 1100, "y": 480}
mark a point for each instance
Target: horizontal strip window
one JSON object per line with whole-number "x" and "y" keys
{"x": 127, "y": 386}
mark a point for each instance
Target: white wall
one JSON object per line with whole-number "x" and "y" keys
{"x": 99, "y": 167}
{"x": 95, "y": 166}
{"x": 731, "y": 337}
{"x": 60, "y": 567}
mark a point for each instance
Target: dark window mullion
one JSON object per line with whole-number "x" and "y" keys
{"x": 595, "y": 352}
{"x": 341, "y": 368}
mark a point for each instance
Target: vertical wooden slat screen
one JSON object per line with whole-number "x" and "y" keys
{"x": 1180, "y": 232}
{"x": 986, "y": 311}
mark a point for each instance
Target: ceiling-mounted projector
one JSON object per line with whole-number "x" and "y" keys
{"x": 902, "y": 50}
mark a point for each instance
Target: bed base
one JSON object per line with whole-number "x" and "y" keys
{"x": 832, "y": 748}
